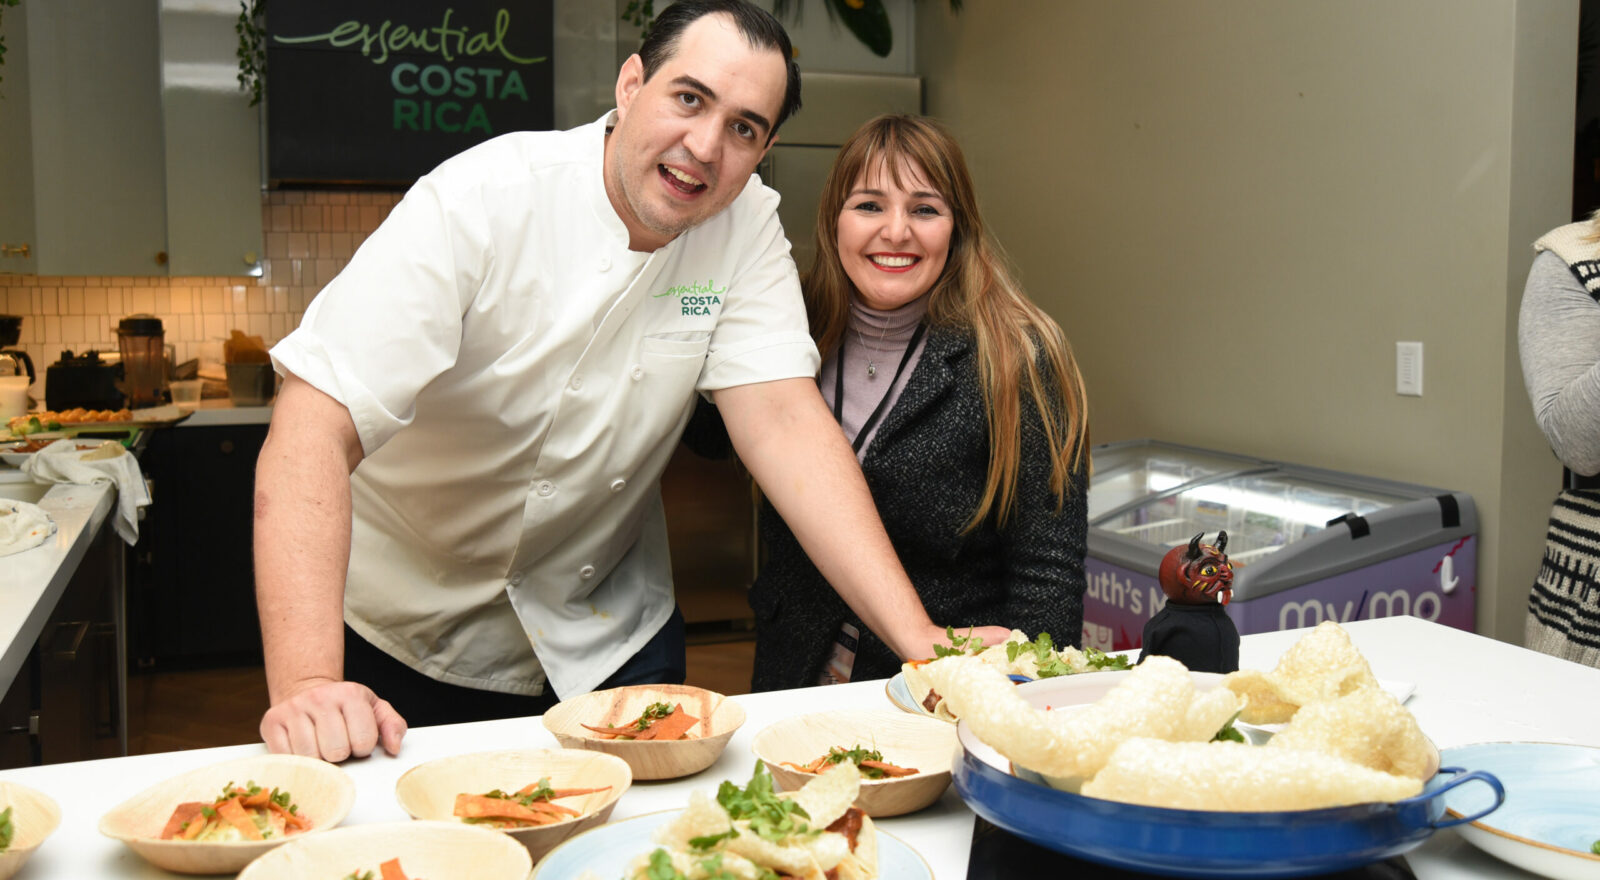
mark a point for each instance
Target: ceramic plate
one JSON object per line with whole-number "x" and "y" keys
{"x": 607, "y": 850}
{"x": 1551, "y": 816}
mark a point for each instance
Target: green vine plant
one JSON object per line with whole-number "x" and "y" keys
{"x": 252, "y": 30}
{"x": 3, "y": 5}
{"x": 867, "y": 20}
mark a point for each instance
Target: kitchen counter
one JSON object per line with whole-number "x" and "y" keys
{"x": 1468, "y": 689}
{"x": 221, "y": 411}
{"x": 31, "y": 582}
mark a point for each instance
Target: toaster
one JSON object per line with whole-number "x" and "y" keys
{"x": 87, "y": 381}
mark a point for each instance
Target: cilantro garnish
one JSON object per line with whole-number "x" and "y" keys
{"x": 365, "y": 875}
{"x": 855, "y": 756}
{"x": 710, "y": 840}
{"x": 651, "y": 713}
{"x": 6, "y": 829}
{"x": 770, "y": 817}
{"x": 661, "y": 868}
{"x": 1101, "y": 660}
{"x": 541, "y": 792}
{"x": 1229, "y": 733}
{"x": 967, "y": 644}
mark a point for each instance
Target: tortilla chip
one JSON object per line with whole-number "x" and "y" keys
{"x": 1369, "y": 727}
{"x": 1322, "y": 666}
{"x": 1157, "y": 699}
{"x": 1227, "y": 776}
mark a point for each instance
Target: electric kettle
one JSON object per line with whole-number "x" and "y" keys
{"x": 14, "y": 361}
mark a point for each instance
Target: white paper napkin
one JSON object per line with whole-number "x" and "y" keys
{"x": 63, "y": 462}
{"x": 23, "y": 526}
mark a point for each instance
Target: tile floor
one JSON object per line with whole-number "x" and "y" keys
{"x": 194, "y": 709}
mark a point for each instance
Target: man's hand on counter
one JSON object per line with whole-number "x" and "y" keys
{"x": 332, "y": 720}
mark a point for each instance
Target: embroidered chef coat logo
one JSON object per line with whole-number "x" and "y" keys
{"x": 695, "y": 298}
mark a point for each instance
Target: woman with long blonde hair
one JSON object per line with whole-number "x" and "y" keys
{"x": 964, "y": 404}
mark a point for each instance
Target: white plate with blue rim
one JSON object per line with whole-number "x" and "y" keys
{"x": 1550, "y": 822}
{"x": 607, "y": 851}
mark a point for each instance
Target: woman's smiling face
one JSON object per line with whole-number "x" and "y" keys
{"x": 893, "y": 237}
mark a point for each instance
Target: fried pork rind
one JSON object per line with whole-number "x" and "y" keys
{"x": 824, "y": 799}
{"x": 1322, "y": 666}
{"x": 1226, "y": 776}
{"x": 833, "y": 791}
{"x": 1368, "y": 727}
{"x": 1157, "y": 699}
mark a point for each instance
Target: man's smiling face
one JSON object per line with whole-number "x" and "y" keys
{"x": 687, "y": 141}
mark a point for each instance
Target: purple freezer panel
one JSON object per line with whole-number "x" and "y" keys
{"x": 1438, "y": 584}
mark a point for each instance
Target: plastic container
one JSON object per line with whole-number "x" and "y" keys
{"x": 251, "y": 384}
{"x": 186, "y": 392}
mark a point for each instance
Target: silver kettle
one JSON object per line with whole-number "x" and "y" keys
{"x": 17, "y": 363}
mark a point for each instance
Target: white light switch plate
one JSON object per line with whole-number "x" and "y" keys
{"x": 1408, "y": 368}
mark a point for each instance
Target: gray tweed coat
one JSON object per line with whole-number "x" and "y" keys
{"x": 926, "y": 469}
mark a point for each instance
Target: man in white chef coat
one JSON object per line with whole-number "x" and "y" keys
{"x": 463, "y": 461}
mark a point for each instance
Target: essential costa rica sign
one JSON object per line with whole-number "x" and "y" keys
{"x": 381, "y": 91}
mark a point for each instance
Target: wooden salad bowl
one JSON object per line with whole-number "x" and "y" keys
{"x": 719, "y": 718}
{"x": 34, "y": 816}
{"x": 923, "y": 742}
{"x": 428, "y": 791}
{"x": 425, "y": 849}
{"x": 322, "y": 792}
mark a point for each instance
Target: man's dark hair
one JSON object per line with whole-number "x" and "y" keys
{"x": 758, "y": 26}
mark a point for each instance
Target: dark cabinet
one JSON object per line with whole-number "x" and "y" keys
{"x": 191, "y": 593}
{"x": 68, "y": 701}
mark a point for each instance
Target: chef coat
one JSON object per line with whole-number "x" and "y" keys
{"x": 518, "y": 379}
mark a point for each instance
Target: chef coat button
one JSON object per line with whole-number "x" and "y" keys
{"x": 637, "y": 372}
{"x": 604, "y": 263}
{"x": 546, "y": 488}
{"x": 576, "y": 383}
{"x": 618, "y": 484}
{"x": 586, "y": 572}
{"x": 516, "y": 578}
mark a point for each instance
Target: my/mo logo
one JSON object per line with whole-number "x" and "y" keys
{"x": 1395, "y": 603}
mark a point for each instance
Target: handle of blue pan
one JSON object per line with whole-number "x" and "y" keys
{"x": 1475, "y": 776}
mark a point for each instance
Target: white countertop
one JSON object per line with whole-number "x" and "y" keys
{"x": 1468, "y": 689}
{"x": 31, "y": 582}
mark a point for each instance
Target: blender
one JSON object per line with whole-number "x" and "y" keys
{"x": 141, "y": 340}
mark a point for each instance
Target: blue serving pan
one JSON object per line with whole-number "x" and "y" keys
{"x": 1201, "y": 843}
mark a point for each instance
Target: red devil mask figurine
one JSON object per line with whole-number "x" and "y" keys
{"x": 1198, "y": 574}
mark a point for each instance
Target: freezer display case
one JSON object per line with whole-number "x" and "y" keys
{"x": 1307, "y": 544}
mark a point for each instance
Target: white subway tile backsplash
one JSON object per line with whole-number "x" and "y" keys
{"x": 308, "y": 239}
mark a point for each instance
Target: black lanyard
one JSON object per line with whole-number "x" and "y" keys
{"x": 838, "y": 389}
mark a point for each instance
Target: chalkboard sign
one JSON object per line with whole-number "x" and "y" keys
{"x": 381, "y": 91}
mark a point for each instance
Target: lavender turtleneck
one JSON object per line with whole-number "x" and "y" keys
{"x": 877, "y": 339}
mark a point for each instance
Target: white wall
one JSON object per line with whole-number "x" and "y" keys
{"x": 1236, "y": 208}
